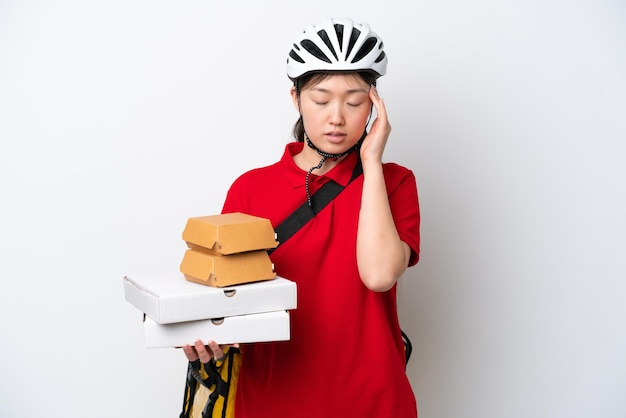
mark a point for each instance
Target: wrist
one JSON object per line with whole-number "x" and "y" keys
{"x": 372, "y": 167}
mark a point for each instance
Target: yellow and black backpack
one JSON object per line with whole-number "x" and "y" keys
{"x": 211, "y": 387}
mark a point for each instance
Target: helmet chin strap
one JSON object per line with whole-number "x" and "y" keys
{"x": 325, "y": 156}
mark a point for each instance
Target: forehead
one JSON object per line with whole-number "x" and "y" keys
{"x": 349, "y": 82}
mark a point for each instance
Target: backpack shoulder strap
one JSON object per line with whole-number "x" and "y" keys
{"x": 305, "y": 213}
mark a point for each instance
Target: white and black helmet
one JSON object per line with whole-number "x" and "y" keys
{"x": 337, "y": 45}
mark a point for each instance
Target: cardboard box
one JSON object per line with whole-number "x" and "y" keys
{"x": 269, "y": 326}
{"x": 168, "y": 298}
{"x": 227, "y": 270}
{"x": 230, "y": 233}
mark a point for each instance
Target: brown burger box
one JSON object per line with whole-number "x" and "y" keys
{"x": 229, "y": 233}
{"x": 226, "y": 270}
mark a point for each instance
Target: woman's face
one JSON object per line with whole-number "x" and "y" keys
{"x": 335, "y": 111}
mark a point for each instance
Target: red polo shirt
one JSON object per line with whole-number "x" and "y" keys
{"x": 332, "y": 365}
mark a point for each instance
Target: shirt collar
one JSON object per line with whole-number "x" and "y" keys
{"x": 340, "y": 174}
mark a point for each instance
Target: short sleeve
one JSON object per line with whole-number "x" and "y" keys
{"x": 404, "y": 203}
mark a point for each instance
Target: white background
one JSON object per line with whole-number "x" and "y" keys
{"x": 121, "y": 119}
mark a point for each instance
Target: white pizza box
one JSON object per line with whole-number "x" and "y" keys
{"x": 169, "y": 298}
{"x": 261, "y": 327}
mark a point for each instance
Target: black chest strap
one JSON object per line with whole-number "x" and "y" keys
{"x": 305, "y": 213}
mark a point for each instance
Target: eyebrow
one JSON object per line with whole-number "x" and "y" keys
{"x": 350, "y": 91}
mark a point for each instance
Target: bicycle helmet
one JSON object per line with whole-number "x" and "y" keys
{"x": 337, "y": 45}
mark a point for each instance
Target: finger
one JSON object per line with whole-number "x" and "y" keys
{"x": 381, "y": 112}
{"x": 374, "y": 93}
{"x": 218, "y": 353}
{"x": 190, "y": 352}
{"x": 204, "y": 355}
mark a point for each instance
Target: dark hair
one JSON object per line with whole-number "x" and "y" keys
{"x": 312, "y": 79}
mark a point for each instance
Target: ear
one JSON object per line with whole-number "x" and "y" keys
{"x": 294, "y": 98}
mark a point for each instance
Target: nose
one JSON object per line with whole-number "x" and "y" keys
{"x": 336, "y": 115}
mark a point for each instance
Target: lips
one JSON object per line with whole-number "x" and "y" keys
{"x": 335, "y": 136}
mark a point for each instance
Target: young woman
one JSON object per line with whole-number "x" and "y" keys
{"x": 346, "y": 355}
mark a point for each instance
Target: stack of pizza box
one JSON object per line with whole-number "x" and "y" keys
{"x": 228, "y": 291}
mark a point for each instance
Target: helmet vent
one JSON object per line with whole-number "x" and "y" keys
{"x": 353, "y": 38}
{"x": 295, "y": 56}
{"x": 312, "y": 49}
{"x": 367, "y": 47}
{"x": 326, "y": 40}
{"x": 380, "y": 57}
{"x": 339, "y": 32}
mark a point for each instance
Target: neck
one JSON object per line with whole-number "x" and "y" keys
{"x": 308, "y": 158}
{"x": 323, "y": 156}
